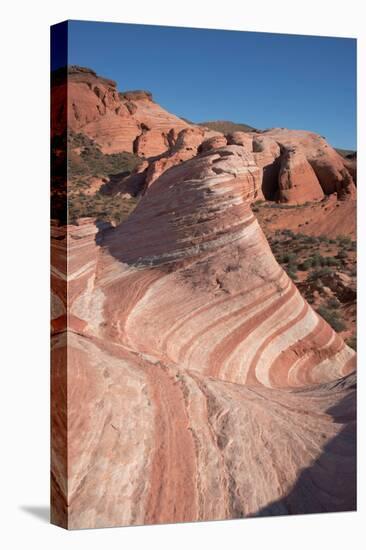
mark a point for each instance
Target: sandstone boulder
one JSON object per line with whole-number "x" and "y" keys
{"x": 297, "y": 181}
{"x": 327, "y": 164}
{"x": 241, "y": 138}
{"x": 214, "y": 142}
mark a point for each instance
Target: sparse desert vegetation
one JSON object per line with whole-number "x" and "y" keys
{"x": 85, "y": 159}
{"x": 88, "y": 166}
{"x": 324, "y": 270}
{"x": 226, "y": 126}
{"x": 111, "y": 208}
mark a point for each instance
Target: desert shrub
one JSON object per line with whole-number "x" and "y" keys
{"x": 333, "y": 303}
{"x": 278, "y": 205}
{"x": 332, "y": 317}
{"x": 310, "y": 239}
{"x": 306, "y": 265}
{"x": 92, "y": 162}
{"x": 226, "y": 126}
{"x": 319, "y": 273}
{"x": 329, "y": 261}
{"x": 332, "y": 261}
{"x": 288, "y": 233}
{"x": 290, "y": 257}
{"x": 344, "y": 240}
{"x": 315, "y": 260}
{"x": 287, "y": 258}
{"x": 281, "y": 258}
{"x": 102, "y": 207}
{"x": 291, "y": 272}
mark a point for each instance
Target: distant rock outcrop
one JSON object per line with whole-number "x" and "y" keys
{"x": 297, "y": 181}
{"x": 127, "y": 121}
{"x": 296, "y": 166}
{"x": 327, "y": 164}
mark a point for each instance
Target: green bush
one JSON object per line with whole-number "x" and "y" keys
{"x": 333, "y": 261}
{"x": 291, "y": 273}
{"x": 310, "y": 239}
{"x": 332, "y": 317}
{"x": 344, "y": 240}
{"x": 333, "y": 303}
{"x": 315, "y": 260}
{"x": 92, "y": 162}
{"x": 319, "y": 273}
{"x": 102, "y": 207}
{"x": 306, "y": 265}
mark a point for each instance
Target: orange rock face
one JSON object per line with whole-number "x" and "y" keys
{"x": 297, "y": 180}
{"x": 327, "y": 164}
{"x": 117, "y": 122}
{"x": 200, "y": 384}
{"x": 185, "y": 148}
{"x": 133, "y": 122}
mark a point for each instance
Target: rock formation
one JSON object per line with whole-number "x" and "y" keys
{"x": 129, "y": 121}
{"x": 296, "y": 166}
{"x": 200, "y": 385}
{"x": 327, "y": 164}
{"x": 297, "y": 181}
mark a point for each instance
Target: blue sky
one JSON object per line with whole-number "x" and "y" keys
{"x": 265, "y": 80}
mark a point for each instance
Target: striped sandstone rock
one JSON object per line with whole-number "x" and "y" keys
{"x": 199, "y": 384}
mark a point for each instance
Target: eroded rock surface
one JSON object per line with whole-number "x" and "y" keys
{"x": 297, "y": 181}
{"x": 296, "y": 166}
{"x": 129, "y": 121}
{"x": 327, "y": 164}
{"x": 200, "y": 384}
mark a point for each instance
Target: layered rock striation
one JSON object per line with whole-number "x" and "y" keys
{"x": 200, "y": 384}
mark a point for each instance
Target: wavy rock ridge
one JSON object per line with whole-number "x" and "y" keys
{"x": 201, "y": 385}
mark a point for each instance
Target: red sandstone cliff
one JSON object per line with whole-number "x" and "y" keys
{"x": 295, "y": 166}
{"x": 129, "y": 121}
